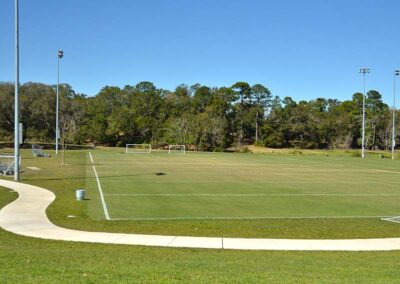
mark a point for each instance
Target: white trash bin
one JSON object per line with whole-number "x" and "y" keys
{"x": 80, "y": 194}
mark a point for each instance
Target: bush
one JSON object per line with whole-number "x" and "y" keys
{"x": 385, "y": 156}
{"x": 296, "y": 152}
{"x": 259, "y": 143}
{"x": 244, "y": 149}
{"x": 356, "y": 154}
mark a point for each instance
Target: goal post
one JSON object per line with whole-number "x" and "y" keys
{"x": 176, "y": 149}
{"x": 138, "y": 148}
{"x": 7, "y": 164}
{"x": 37, "y": 151}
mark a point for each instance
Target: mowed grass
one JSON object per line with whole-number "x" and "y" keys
{"x": 28, "y": 260}
{"x": 237, "y": 186}
{"x": 245, "y": 186}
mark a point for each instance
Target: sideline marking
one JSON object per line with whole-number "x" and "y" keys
{"x": 395, "y": 219}
{"x": 103, "y": 202}
{"x": 253, "y": 194}
{"x": 249, "y": 218}
{"x": 389, "y": 172}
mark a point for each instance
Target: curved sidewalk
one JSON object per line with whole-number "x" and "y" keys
{"x": 27, "y": 216}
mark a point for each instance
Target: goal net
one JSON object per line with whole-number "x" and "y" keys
{"x": 138, "y": 148}
{"x": 37, "y": 151}
{"x": 176, "y": 149}
{"x": 7, "y": 164}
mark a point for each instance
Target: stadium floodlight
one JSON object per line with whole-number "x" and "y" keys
{"x": 180, "y": 149}
{"x": 138, "y": 148}
{"x": 60, "y": 55}
{"x": 16, "y": 95}
{"x": 363, "y": 71}
{"x": 396, "y": 73}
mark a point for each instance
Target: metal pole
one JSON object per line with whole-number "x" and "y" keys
{"x": 363, "y": 123}
{"x": 363, "y": 71}
{"x": 396, "y": 73}
{"x": 363, "y": 134}
{"x": 58, "y": 83}
{"x": 16, "y": 96}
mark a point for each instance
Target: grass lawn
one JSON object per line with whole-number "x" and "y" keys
{"x": 27, "y": 260}
{"x": 39, "y": 261}
{"x": 222, "y": 194}
{"x": 244, "y": 186}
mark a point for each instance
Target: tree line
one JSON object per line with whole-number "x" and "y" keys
{"x": 201, "y": 117}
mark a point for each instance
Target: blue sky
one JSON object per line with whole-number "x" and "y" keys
{"x": 303, "y": 49}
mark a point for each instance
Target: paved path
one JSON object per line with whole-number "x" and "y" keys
{"x": 26, "y": 216}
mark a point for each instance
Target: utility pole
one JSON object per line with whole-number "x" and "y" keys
{"x": 396, "y": 73}
{"x": 16, "y": 96}
{"x": 60, "y": 55}
{"x": 363, "y": 71}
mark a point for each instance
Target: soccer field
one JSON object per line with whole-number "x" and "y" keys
{"x": 205, "y": 186}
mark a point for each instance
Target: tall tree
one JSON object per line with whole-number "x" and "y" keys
{"x": 243, "y": 91}
{"x": 261, "y": 98}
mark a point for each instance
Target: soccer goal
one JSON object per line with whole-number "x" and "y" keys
{"x": 176, "y": 149}
{"x": 37, "y": 151}
{"x": 7, "y": 164}
{"x": 138, "y": 149}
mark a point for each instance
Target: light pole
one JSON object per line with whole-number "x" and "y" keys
{"x": 16, "y": 96}
{"x": 363, "y": 71}
{"x": 396, "y": 73}
{"x": 60, "y": 55}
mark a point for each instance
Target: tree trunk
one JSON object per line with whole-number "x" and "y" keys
{"x": 63, "y": 152}
{"x": 373, "y": 138}
{"x": 257, "y": 126}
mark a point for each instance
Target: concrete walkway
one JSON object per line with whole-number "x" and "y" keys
{"x": 26, "y": 216}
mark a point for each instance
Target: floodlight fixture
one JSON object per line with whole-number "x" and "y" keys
{"x": 365, "y": 70}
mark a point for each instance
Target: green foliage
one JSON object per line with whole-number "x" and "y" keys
{"x": 200, "y": 117}
{"x": 356, "y": 154}
{"x": 385, "y": 156}
{"x": 296, "y": 152}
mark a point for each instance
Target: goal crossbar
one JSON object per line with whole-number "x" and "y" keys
{"x": 138, "y": 148}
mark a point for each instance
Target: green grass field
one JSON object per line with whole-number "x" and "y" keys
{"x": 39, "y": 261}
{"x": 223, "y": 194}
{"x": 244, "y": 186}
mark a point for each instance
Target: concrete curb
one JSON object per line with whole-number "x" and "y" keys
{"x": 26, "y": 216}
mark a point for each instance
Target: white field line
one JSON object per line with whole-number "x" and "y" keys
{"x": 103, "y": 202}
{"x": 260, "y": 167}
{"x": 390, "y": 172}
{"x": 253, "y": 194}
{"x": 262, "y": 182}
{"x": 392, "y": 219}
{"x": 206, "y": 164}
{"x": 250, "y": 218}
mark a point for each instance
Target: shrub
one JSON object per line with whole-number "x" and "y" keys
{"x": 296, "y": 152}
{"x": 356, "y": 154}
